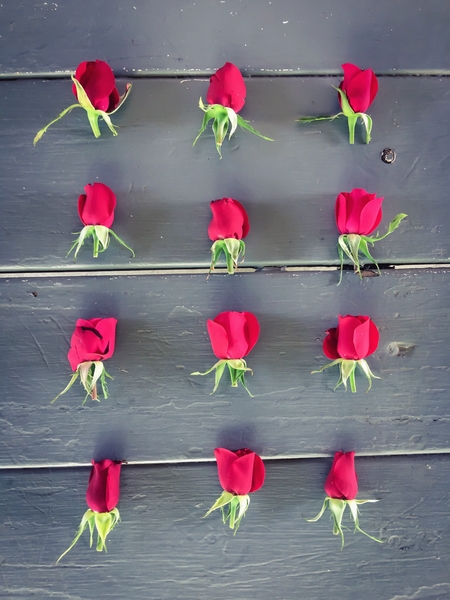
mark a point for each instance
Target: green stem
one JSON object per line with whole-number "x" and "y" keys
{"x": 93, "y": 121}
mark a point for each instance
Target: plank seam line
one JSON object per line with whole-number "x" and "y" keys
{"x": 194, "y": 271}
{"x": 193, "y": 461}
{"x": 205, "y": 74}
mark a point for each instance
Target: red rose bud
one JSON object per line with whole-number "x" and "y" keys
{"x": 356, "y": 93}
{"x": 342, "y": 481}
{"x": 358, "y": 214}
{"x": 94, "y": 87}
{"x": 99, "y": 84}
{"x": 240, "y": 474}
{"x": 102, "y": 497}
{"x": 96, "y": 212}
{"x": 341, "y": 487}
{"x": 225, "y": 98}
{"x": 233, "y": 335}
{"x": 227, "y": 87}
{"x": 227, "y": 228}
{"x": 348, "y": 345}
{"x": 359, "y": 86}
{"x": 92, "y": 342}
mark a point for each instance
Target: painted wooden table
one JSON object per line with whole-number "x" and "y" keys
{"x": 159, "y": 418}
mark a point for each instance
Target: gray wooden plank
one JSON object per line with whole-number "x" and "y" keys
{"x": 180, "y": 36}
{"x": 159, "y": 412}
{"x": 164, "y": 185}
{"x": 163, "y": 549}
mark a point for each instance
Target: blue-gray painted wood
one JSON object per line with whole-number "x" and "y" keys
{"x": 164, "y": 185}
{"x": 158, "y": 412}
{"x": 150, "y": 36}
{"x": 163, "y": 549}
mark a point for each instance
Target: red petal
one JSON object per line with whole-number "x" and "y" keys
{"x": 345, "y": 345}
{"x": 340, "y": 211}
{"x": 350, "y": 71}
{"x": 219, "y": 339}
{"x": 96, "y": 491}
{"x": 361, "y": 339}
{"x": 224, "y": 458}
{"x": 227, "y": 87}
{"x": 107, "y": 329}
{"x": 97, "y": 206}
{"x": 229, "y": 220}
{"x": 252, "y": 330}
{"x": 355, "y": 202}
{"x": 113, "y": 485}
{"x": 240, "y": 475}
{"x": 234, "y": 324}
{"x": 259, "y": 473}
{"x": 329, "y": 345}
{"x": 358, "y": 91}
{"x": 371, "y": 215}
{"x": 374, "y": 337}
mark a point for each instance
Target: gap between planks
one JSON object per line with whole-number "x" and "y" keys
{"x": 193, "y": 461}
{"x": 205, "y": 74}
{"x": 192, "y": 271}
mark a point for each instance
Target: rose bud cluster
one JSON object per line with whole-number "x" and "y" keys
{"x": 240, "y": 474}
{"x": 356, "y": 93}
{"x": 92, "y": 342}
{"x": 102, "y": 497}
{"x": 341, "y": 487}
{"x": 348, "y": 344}
{"x": 94, "y": 86}
{"x": 225, "y": 97}
{"x": 233, "y": 335}
{"x": 358, "y": 213}
{"x": 228, "y": 227}
{"x": 96, "y": 211}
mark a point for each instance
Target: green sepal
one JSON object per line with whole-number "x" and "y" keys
{"x": 337, "y": 508}
{"x": 232, "y": 248}
{"x": 391, "y": 227}
{"x": 246, "y": 125}
{"x": 100, "y": 235}
{"x": 104, "y": 523}
{"x": 92, "y": 113}
{"x": 352, "y": 244}
{"x": 90, "y": 373}
{"x": 322, "y": 118}
{"x": 237, "y": 369}
{"x": 66, "y": 111}
{"x": 222, "y": 116}
{"x": 233, "y": 508}
{"x": 347, "y": 372}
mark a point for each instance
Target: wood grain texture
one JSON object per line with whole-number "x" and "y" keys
{"x": 179, "y": 36}
{"x": 163, "y": 549}
{"x": 158, "y": 412}
{"x": 164, "y": 186}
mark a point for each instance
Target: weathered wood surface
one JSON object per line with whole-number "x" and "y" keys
{"x": 150, "y": 36}
{"x": 163, "y": 549}
{"x": 158, "y": 412}
{"x": 164, "y": 185}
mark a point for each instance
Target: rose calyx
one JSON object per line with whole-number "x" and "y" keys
{"x": 103, "y": 523}
{"x": 232, "y": 249}
{"x": 233, "y": 508}
{"x": 93, "y": 114}
{"x": 223, "y": 117}
{"x": 337, "y": 508}
{"x": 90, "y": 373}
{"x": 101, "y": 238}
{"x": 353, "y": 244}
{"x": 347, "y": 372}
{"x": 237, "y": 369}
